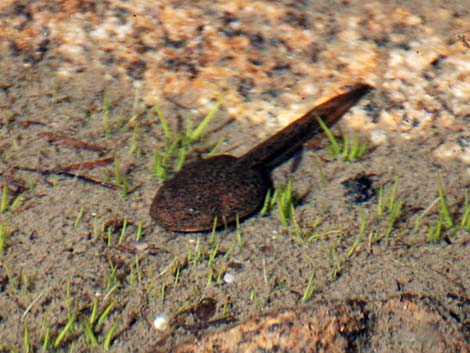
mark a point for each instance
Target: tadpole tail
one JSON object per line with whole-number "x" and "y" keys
{"x": 285, "y": 143}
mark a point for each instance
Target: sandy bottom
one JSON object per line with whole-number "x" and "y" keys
{"x": 83, "y": 266}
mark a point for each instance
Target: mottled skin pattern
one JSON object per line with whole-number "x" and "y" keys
{"x": 226, "y": 187}
{"x": 206, "y": 189}
{"x": 401, "y": 324}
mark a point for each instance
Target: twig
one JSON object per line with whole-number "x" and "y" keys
{"x": 72, "y": 142}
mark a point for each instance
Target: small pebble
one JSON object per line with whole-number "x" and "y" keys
{"x": 161, "y": 322}
{"x": 229, "y": 278}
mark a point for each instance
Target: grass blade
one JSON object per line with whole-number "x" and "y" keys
{"x": 196, "y": 134}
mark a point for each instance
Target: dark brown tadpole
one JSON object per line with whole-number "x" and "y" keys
{"x": 225, "y": 186}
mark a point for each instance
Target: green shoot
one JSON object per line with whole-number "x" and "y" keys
{"x": 178, "y": 143}
{"x": 196, "y": 134}
{"x": 394, "y": 208}
{"x": 269, "y": 202}
{"x": 177, "y": 276}
{"x": 347, "y": 150}
{"x": 225, "y": 306}
{"x": 299, "y": 234}
{"x": 228, "y": 252}
{"x": 47, "y": 339}
{"x": 215, "y": 148}
{"x": 109, "y": 337}
{"x": 94, "y": 311}
{"x": 121, "y": 180}
{"x": 313, "y": 233}
{"x": 4, "y": 204}
{"x": 254, "y": 299}
{"x": 139, "y": 231}
{"x": 311, "y": 287}
{"x": 4, "y": 235}
{"x": 239, "y": 233}
{"x": 213, "y": 254}
{"x": 213, "y": 233}
{"x": 15, "y": 203}
{"x": 285, "y": 204}
{"x": 210, "y": 277}
{"x": 180, "y": 158}
{"x": 123, "y": 232}
{"x": 198, "y": 254}
{"x": 335, "y": 148}
{"x": 105, "y": 313}
{"x": 88, "y": 331}
{"x": 64, "y": 331}
{"x": 434, "y": 233}
{"x": 110, "y": 278}
{"x": 443, "y": 209}
{"x": 79, "y": 217}
{"x": 284, "y": 200}
{"x": 164, "y": 122}
{"x": 220, "y": 273}
{"x": 26, "y": 340}
{"x": 465, "y": 223}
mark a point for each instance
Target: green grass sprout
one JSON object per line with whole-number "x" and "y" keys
{"x": 138, "y": 235}
{"x": 312, "y": 285}
{"x": 347, "y": 150}
{"x": 465, "y": 223}
{"x": 444, "y": 209}
{"x": 435, "y": 232}
{"x": 269, "y": 202}
{"x": 94, "y": 311}
{"x": 213, "y": 232}
{"x": 105, "y": 313}
{"x": 215, "y": 149}
{"x": 196, "y": 134}
{"x": 335, "y": 147}
{"x": 240, "y": 241}
{"x": 164, "y": 122}
{"x": 60, "y": 337}
{"x": 123, "y": 232}
{"x": 79, "y": 217}
{"x": 46, "y": 340}
{"x": 88, "y": 331}
{"x": 394, "y": 208}
{"x": 121, "y": 180}
{"x": 26, "y": 340}
{"x": 284, "y": 199}
{"x": 4, "y": 235}
{"x": 285, "y": 204}
{"x": 178, "y": 143}
{"x": 109, "y": 337}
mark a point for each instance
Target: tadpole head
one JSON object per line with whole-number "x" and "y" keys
{"x": 205, "y": 190}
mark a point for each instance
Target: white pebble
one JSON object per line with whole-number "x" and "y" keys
{"x": 229, "y": 278}
{"x": 160, "y": 323}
